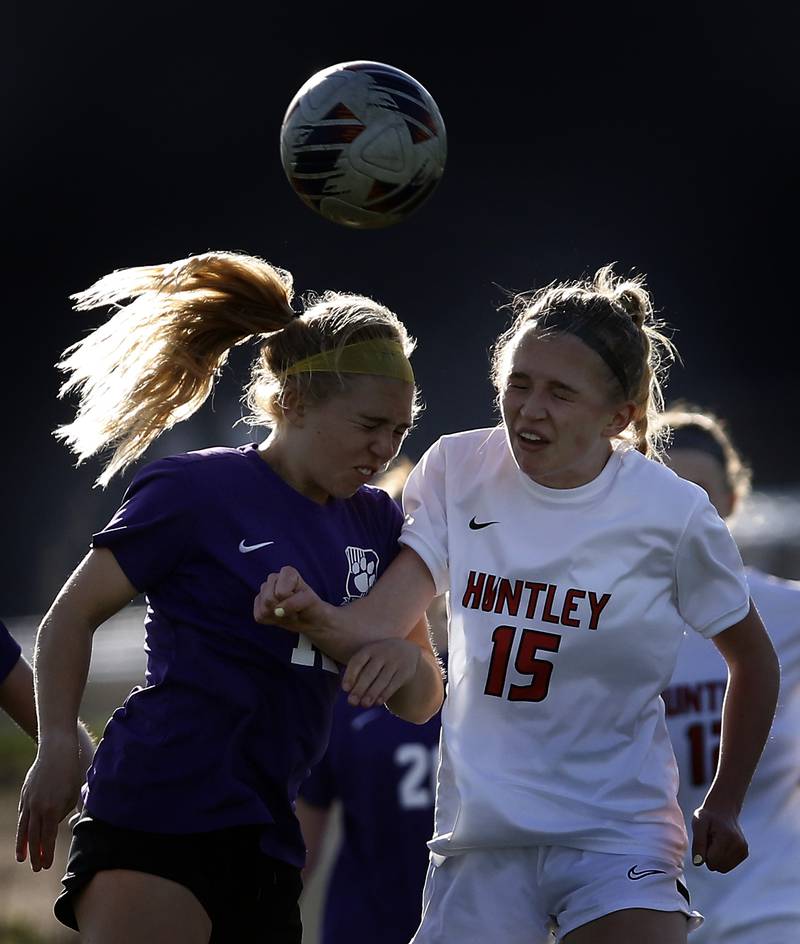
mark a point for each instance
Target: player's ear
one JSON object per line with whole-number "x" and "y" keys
{"x": 293, "y": 405}
{"x": 624, "y": 414}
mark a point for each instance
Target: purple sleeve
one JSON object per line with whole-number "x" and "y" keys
{"x": 152, "y": 529}
{"x": 10, "y": 652}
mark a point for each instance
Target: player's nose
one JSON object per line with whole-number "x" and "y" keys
{"x": 533, "y": 406}
{"x": 384, "y": 445}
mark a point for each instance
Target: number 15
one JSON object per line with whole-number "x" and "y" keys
{"x": 525, "y": 663}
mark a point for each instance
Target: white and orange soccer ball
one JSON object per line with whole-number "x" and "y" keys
{"x": 363, "y": 144}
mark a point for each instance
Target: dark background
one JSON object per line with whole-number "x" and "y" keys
{"x": 660, "y": 136}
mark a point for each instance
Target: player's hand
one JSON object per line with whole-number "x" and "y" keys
{"x": 718, "y": 840}
{"x": 286, "y": 600}
{"x": 50, "y": 792}
{"x": 378, "y": 670}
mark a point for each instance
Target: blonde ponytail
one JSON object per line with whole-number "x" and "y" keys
{"x": 154, "y": 362}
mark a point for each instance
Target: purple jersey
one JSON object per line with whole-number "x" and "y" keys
{"x": 383, "y": 770}
{"x": 232, "y": 714}
{"x": 9, "y": 652}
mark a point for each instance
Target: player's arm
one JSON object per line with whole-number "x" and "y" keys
{"x": 393, "y": 607}
{"x": 747, "y": 712}
{"x": 402, "y": 673}
{"x": 18, "y": 701}
{"x": 96, "y": 590}
{"x": 16, "y": 697}
{"x": 314, "y": 822}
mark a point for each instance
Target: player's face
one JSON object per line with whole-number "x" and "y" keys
{"x": 704, "y": 470}
{"x": 558, "y": 411}
{"x": 341, "y": 443}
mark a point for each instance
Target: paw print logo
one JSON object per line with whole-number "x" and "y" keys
{"x": 363, "y": 573}
{"x": 362, "y": 567}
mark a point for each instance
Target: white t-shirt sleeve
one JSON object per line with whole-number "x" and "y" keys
{"x": 712, "y": 587}
{"x": 424, "y": 505}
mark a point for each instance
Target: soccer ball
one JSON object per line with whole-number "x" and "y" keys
{"x": 363, "y": 144}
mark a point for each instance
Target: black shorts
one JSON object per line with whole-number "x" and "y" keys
{"x": 248, "y": 896}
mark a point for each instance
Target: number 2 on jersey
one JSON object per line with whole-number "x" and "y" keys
{"x": 525, "y": 663}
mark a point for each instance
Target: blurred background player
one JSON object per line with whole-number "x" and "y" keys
{"x": 758, "y": 903}
{"x": 17, "y": 696}
{"x": 188, "y": 832}
{"x": 381, "y": 771}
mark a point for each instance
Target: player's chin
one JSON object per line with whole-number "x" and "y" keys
{"x": 347, "y": 486}
{"x": 529, "y": 462}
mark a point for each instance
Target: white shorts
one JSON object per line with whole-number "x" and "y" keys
{"x": 540, "y": 894}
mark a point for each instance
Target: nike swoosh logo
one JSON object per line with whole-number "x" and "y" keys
{"x": 476, "y": 526}
{"x": 634, "y": 875}
{"x": 246, "y": 548}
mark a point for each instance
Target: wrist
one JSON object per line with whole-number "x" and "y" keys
{"x": 54, "y": 739}
{"x": 722, "y": 799}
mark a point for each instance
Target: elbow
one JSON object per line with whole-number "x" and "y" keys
{"x": 419, "y": 711}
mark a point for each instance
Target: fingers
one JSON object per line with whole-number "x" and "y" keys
{"x": 354, "y": 667}
{"x": 717, "y": 842}
{"x": 274, "y": 592}
{"x": 265, "y": 602}
{"x": 22, "y": 834}
{"x": 700, "y": 825}
{"x": 369, "y": 680}
{"x": 34, "y": 839}
{"x": 282, "y": 598}
{"x": 49, "y": 835}
{"x": 726, "y": 850}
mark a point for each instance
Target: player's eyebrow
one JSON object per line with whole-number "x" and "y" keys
{"x": 565, "y": 386}
{"x": 385, "y": 419}
{"x": 521, "y": 375}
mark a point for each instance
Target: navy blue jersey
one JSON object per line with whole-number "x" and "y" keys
{"x": 383, "y": 770}
{"x": 232, "y": 714}
{"x": 9, "y": 652}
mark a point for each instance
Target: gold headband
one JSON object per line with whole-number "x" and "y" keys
{"x": 379, "y": 357}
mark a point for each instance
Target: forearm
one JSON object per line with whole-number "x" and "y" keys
{"x": 60, "y": 668}
{"x": 747, "y": 713}
{"x": 389, "y": 611}
{"x": 420, "y": 698}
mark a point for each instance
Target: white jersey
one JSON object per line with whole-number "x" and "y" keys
{"x": 567, "y": 609}
{"x": 767, "y": 884}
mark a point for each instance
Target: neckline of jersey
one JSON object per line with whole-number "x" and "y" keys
{"x": 251, "y": 452}
{"x": 568, "y": 496}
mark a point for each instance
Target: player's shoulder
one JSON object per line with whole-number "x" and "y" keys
{"x": 470, "y": 445}
{"x": 215, "y": 457}
{"x": 376, "y": 505}
{"x": 473, "y": 439}
{"x": 215, "y": 461}
{"x": 375, "y": 496}
{"x": 655, "y": 479}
